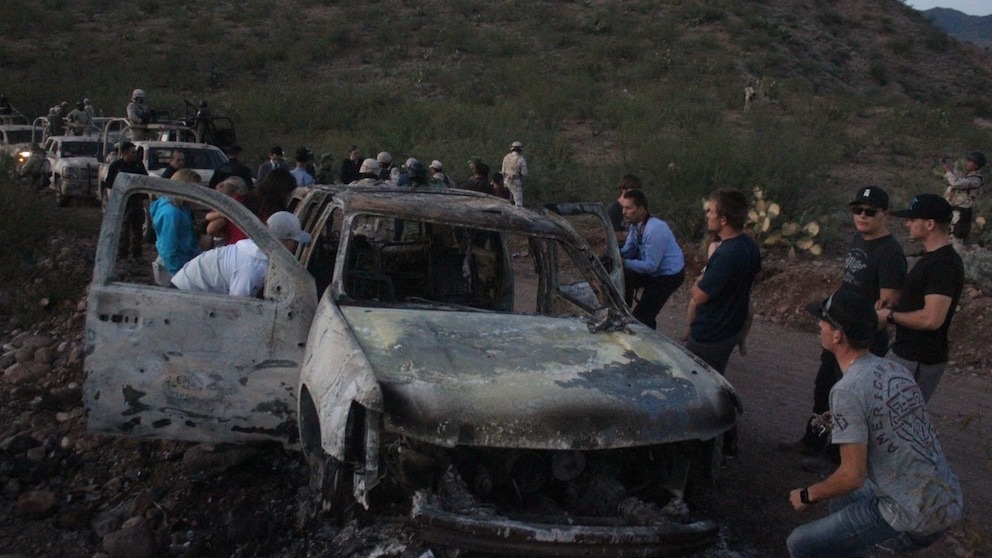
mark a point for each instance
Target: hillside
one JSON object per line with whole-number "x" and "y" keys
{"x": 964, "y": 27}
{"x": 595, "y": 89}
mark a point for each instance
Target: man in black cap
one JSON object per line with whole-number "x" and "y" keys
{"x": 894, "y": 491}
{"x": 875, "y": 269}
{"x": 962, "y": 192}
{"x": 933, "y": 287}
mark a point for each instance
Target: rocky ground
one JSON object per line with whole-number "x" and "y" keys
{"x": 66, "y": 493}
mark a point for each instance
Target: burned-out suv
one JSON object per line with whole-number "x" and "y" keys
{"x": 440, "y": 349}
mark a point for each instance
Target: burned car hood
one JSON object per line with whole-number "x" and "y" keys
{"x": 502, "y": 380}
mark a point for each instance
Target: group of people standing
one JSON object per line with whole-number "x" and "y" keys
{"x": 888, "y": 483}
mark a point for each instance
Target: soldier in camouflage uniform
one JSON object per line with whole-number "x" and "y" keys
{"x": 962, "y": 193}
{"x": 514, "y": 170}
{"x": 139, "y": 115}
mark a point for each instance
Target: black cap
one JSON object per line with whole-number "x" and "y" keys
{"x": 927, "y": 206}
{"x": 872, "y": 196}
{"x": 276, "y": 151}
{"x": 851, "y": 313}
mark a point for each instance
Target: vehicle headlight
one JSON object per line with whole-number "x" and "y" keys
{"x": 23, "y": 156}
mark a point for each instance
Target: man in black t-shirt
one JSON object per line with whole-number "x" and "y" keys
{"x": 933, "y": 288}
{"x": 722, "y": 294}
{"x": 233, "y": 167}
{"x": 875, "y": 269}
{"x": 134, "y": 210}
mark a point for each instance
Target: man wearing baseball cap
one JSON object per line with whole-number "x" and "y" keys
{"x": 933, "y": 287}
{"x": 880, "y": 421}
{"x": 239, "y": 269}
{"x": 875, "y": 268}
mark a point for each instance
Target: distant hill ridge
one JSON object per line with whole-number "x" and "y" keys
{"x": 964, "y": 27}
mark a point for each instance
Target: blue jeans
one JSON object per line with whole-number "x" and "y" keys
{"x": 854, "y": 528}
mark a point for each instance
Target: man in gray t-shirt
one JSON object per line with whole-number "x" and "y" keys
{"x": 893, "y": 490}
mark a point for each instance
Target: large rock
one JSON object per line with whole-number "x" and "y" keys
{"x": 133, "y": 541}
{"x": 206, "y": 458}
{"x": 26, "y": 372}
{"x": 33, "y": 341}
{"x": 37, "y": 504}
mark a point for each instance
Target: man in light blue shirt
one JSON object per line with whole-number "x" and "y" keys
{"x": 652, "y": 259}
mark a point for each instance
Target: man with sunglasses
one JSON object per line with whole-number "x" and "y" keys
{"x": 875, "y": 269}
{"x": 933, "y": 288}
{"x": 894, "y": 491}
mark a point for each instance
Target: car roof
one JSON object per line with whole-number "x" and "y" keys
{"x": 461, "y": 207}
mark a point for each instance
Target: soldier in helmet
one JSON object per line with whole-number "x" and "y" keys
{"x": 139, "y": 115}
{"x": 79, "y": 120}
{"x": 962, "y": 193}
{"x": 56, "y": 122}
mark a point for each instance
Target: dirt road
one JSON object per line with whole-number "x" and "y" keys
{"x": 775, "y": 382}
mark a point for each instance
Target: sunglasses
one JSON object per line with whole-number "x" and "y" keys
{"x": 825, "y": 313}
{"x": 866, "y": 211}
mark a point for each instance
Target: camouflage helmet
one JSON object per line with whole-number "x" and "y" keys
{"x": 976, "y": 157}
{"x": 137, "y": 94}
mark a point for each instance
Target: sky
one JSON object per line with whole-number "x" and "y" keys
{"x": 970, "y": 7}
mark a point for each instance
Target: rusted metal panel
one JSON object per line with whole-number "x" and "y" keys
{"x": 517, "y": 537}
{"x": 501, "y": 380}
{"x": 337, "y": 373}
{"x": 164, "y": 363}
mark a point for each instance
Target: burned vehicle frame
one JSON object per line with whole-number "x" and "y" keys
{"x": 470, "y": 359}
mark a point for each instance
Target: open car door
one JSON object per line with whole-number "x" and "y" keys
{"x": 590, "y": 220}
{"x": 164, "y": 363}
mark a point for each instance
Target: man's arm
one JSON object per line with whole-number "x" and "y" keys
{"x": 651, "y": 250}
{"x": 887, "y": 298}
{"x": 928, "y": 318}
{"x": 699, "y": 296}
{"x": 967, "y": 182}
{"x": 849, "y": 477}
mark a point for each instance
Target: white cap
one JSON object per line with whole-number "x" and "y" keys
{"x": 436, "y": 165}
{"x": 409, "y": 162}
{"x": 516, "y": 145}
{"x": 285, "y": 226}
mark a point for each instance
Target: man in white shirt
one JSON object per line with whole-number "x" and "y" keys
{"x": 238, "y": 269}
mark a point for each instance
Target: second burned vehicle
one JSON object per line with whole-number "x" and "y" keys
{"x": 445, "y": 349}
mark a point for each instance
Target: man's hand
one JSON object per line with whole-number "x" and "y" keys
{"x": 796, "y": 500}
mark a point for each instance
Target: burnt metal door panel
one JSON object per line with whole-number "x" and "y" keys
{"x": 164, "y": 363}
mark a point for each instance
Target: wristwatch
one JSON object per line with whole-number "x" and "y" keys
{"x": 890, "y": 319}
{"x": 804, "y": 497}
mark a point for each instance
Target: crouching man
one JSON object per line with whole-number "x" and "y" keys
{"x": 239, "y": 269}
{"x": 881, "y": 424}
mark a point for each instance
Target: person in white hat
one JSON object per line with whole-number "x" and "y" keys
{"x": 514, "y": 171}
{"x": 388, "y": 172}
{"x": 368, "y": 174}
{"x": 438, "y": 178}
{"x": 239, "y": 269}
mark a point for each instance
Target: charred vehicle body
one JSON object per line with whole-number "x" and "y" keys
{"x": 468, "y": 357}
